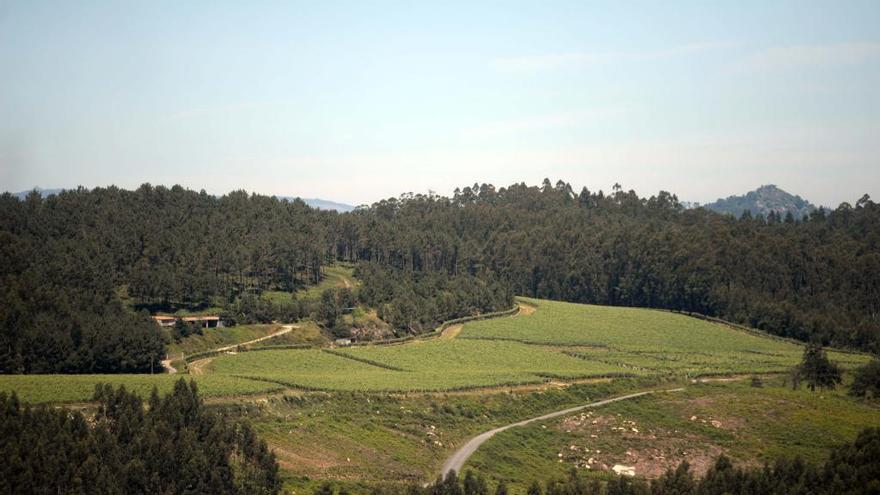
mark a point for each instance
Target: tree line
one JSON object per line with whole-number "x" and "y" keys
{"x": 174, "y": 446}
{"x": 81, "y": 271}
{"x": 415, "y": 302}
{"x": 815, "y": 279}
{"x": 68, "y": 259}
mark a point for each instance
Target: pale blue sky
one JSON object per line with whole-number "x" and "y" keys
{"x": 357, "y": 101}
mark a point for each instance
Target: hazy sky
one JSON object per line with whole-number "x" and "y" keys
{"x": 359, "y": 101}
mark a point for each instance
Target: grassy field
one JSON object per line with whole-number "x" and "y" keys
{"x": 79, "y": 388}
{"x": 306, "y": 332}
{"x": 428, "y": 366}
{"x": 558, "y": 341}
{"x": 212, "y": 338}
{"x": 357, "y": 439}
{"x": 653, "y": 433}
{"x": 649, "y": 340}
{"x": 633, "y": 329}
{"x": 367, "y": 414}
{"x": 335, "y": 276}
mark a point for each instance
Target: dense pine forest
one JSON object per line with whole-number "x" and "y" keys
{"x": 811, "y": 280}
{"x": 174, "y": 446}
{"x": 80, "y": 271}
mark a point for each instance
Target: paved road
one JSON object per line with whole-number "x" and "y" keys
{"x": 456, "y": 461}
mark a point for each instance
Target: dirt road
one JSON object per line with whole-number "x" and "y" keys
{"x": 456, "y": 461}
{"x": 166, "y": 363}
{"x": 451, "y": 332}
{"x": 197, "y": 367}
{"x": 285, "y": 329}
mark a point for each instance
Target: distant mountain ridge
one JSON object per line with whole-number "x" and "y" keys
{"x": 763, "y": 200}
{"x": 43, "y": 192}
{"x": 321, "y": 204}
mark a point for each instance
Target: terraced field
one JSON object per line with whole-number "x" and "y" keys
{"x": 651, "y": 341}
{"x": 431, "y": 365}
{"x": 557, "y": 341}
{"x": 79, "y": 388}
{"x": 216, "y": 337}
{"x": 635, "y": 329}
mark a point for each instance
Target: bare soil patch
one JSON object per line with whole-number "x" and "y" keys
{"x": 525, "y": 309}
{"x": 602, "y": 441}
{"x": 451, "y": 332}
{"x": 197, "y": 368}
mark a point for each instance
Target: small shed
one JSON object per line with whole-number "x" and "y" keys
{"x": 204, "y": 321}
{"x": 211, "y": 321}
{"x": 165, "y": 321}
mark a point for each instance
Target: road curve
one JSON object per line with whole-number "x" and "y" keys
{"x": 284, "y": 329}
{"x": 456, "y": 461}
{"x": 166, "y": 363}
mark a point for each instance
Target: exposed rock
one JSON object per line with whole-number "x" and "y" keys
{"x": 624, "y": 470}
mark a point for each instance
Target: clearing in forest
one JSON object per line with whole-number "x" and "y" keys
{"x": 557, "y": 342}
{"x": 652, "y": 341}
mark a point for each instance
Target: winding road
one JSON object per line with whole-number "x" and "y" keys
{"x": 284, "y": 329}
{"x": 166, "y": 363}
{"x": 456, "y": 461}
{"x": 198, "y": 365}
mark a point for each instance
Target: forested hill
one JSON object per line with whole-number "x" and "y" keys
{"x": 812, "y": 279}
{"x": 64, "y": 257}
{"x": 766, "y": 201}
{"x": 318, "y": 203}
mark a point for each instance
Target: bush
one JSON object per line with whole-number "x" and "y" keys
{"x": 867, "y": 380}
{"x": 816, "y": 370}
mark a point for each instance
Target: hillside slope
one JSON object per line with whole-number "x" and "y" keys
{"x": 763, "y": 201}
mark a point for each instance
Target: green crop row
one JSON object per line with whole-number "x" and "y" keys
{"x": 557, "y": 341}
{"x": 80, "y": 388}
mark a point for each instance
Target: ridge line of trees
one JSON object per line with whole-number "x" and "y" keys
{"x": 77, "y": 266}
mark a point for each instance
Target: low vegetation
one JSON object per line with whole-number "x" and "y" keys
{"x": 37, "y": 389}
{"x": 305, "y": 333}
{"x": 866, "y": 382}
{"x": 559, "y": 341}
{"x": 394, "y": 412}
{"x": 750, "y": 425}
{"x": 648, "y": 341}
{"x": 852, "y": 468}
{"x": 435, "y": 365}
{"x": 362, "y": 439}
